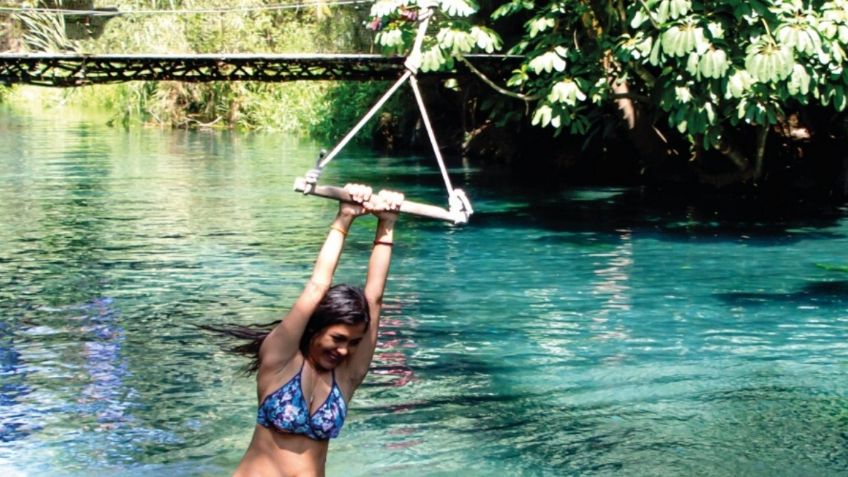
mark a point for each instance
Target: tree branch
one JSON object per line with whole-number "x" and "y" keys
{"x": 739, "y": 159}
{"x": 493, "y": 85}
{"x": 632, "y": 96}
{"x": 644, "y": 74}
{"x": 762, "y": 136}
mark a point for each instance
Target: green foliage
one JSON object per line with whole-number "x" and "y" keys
{"x": 347, "y": 102}
{"x": 708, "y": 65}
{"x": 291, "y": 107}
{"x": 452, "y": 30}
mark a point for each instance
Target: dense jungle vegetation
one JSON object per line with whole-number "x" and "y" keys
{"x": 320, "y": 109}
{"x": 729, "y": 94}
{"x": 720, "y": 92}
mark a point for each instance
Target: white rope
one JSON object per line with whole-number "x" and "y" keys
{"x": 94, "y": 13}
{"x": 460, "y": 207}
{"x": 329, "y": 157}
{"x": 412, "y": 63}
{"x": 432, "y": 135}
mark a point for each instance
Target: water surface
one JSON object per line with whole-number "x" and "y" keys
{"x": 581, "y": 332}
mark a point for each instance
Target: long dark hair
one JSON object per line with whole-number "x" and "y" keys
{"x": 343, "y": 304}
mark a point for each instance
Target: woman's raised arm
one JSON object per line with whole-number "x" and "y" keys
{"x": 284, "y": 341}
{"x": 375, "y": 283}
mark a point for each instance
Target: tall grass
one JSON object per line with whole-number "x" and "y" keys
{"x": 315, "y": 108}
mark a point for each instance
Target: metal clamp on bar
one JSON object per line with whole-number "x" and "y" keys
{"x": 312, "y": 175}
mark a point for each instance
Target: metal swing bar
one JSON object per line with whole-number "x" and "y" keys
{"x": 459, "y": 206}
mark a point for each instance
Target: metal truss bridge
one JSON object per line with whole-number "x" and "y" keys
{"x": 69, "y": 70}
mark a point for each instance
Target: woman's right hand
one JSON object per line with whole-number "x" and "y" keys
{"x": 360, "y": 195}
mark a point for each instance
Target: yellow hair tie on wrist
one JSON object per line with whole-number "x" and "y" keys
{"x": 339, "y": 230}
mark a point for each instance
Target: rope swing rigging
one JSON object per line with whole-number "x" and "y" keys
{"x": 459, "y": 208}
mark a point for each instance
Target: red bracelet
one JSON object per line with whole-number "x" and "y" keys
{"x": 383, "y": 242}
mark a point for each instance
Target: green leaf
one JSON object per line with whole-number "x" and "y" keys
{"x": 547, "y": 62}
{"x": 839, "y": 99}
{"x": 390, "y": 38}
{"x": 716, "y": 30}
{"x": 566, "y": 91}
{"x": 384, "y": 8}
{"x": 799, "y": 82}
{"x": 456, "y": 41}
{"x": 714, "y": 64}
{"x": 457, "y": 8}
{"x": 538, "y": 25}
{"x": 799, "y": 36}
{"x": 638, "y": 19}
{"x": 486, "y": 39}
{"x": 655, "y": 53}
{"x": 767, "y": 62}
{"x": 432, "y": 59}
{"x": 678, "y": 8}
{"x": 511, "y": 8}
{"x": 692, "y": 64}
{"x": 518, "y": 78}
{"x": 643, "y": 48}
{"x": 681, "y": 40}
{"x": 742, "y": 109}
{"x": 542, "y": 115}
{"x": 682, "y": 94}
{"x": 710, "y": 112}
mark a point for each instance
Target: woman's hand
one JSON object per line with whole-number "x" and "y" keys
{"x": 359, "y": 204}
{"x": 386, "y": 205}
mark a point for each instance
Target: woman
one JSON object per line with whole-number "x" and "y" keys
{"x": 310, "y": 364}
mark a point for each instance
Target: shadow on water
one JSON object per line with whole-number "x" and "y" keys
{"x": 675, "y": 215}
{"x": 601, "y": 213}
{"x": 825, "y": 293}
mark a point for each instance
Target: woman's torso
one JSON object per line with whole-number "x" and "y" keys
{"x": 283, "y": 443}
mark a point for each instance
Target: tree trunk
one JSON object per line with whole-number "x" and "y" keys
{"x": 762, "y": 136}
{"x": 640, "y": 130}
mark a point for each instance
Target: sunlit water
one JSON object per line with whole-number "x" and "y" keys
{"x": 585, "y": 332}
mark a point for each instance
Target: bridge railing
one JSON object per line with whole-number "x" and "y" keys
{"x": 68, "y": 70}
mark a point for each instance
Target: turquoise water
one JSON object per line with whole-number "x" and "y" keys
{"x": 582, "y": 332}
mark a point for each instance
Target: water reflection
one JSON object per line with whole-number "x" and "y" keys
{"x": 13, "y": 419}
{"x": 102, "y": 341}
{"x": 613, "y": 275}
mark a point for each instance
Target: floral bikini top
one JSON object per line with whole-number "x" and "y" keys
{"x": 286, "y": 410}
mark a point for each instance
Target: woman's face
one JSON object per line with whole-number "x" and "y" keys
{"x": 334, "y": 344}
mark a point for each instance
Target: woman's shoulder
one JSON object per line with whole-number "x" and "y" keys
{"x": 271, "y": 378}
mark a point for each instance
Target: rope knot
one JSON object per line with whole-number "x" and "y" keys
{"x": 460, "y": 206}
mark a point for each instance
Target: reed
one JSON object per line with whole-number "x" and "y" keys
{"x": 318, "y": 108}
